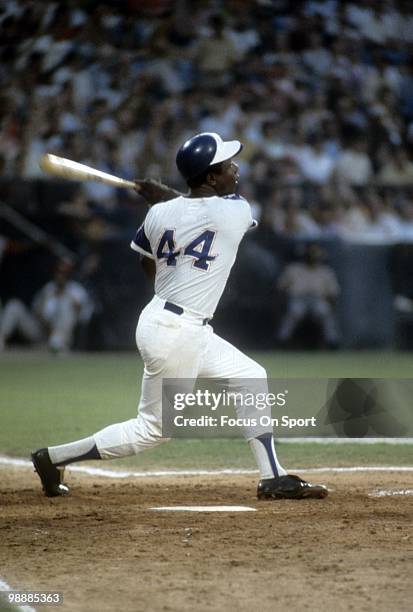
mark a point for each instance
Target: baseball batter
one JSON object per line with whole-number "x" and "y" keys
{"x": 189, "y": 242}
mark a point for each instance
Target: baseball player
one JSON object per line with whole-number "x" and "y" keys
{"x": 189, "y": 242}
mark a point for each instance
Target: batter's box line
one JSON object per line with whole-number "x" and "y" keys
{"x": 391, "y": 492}
{"x": 118, "y": 474}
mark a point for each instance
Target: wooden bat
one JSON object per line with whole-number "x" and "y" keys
{"x": 73, "y": 171}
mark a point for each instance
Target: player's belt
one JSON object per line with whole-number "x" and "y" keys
{"x": 180, "y": 311}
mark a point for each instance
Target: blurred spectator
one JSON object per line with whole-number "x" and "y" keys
{"x": 397, "y": 170}
{"x": 354, "y": 166}
{"x": 311, "y": 289}
{"x": 352, "y": 216}
{"x": 375, "y": 21}
{"x": 316, "y": 56}
{"x": 314, "y": 162}
{"x": 326, "y": 216}
{"x": 287, "y": 217}
{"x": 320, "y": 92}
{"x": 290, "y": 82}
{"x": 57, "y": 308}
{"x": 381, "y": 225}
{"x": 216, "y": 54}
{"x": 273, "y": 140}
{"x": 406, "y": 222}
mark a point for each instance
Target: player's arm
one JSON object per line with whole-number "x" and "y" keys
{"x": 154, "y": 191}
{"x": 142, "y": 246}
{"x": 149, "y": 267}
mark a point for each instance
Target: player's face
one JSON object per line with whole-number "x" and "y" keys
{"x": 226, "y": 181}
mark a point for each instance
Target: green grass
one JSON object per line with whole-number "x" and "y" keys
{"x": 45, "y": 400}
{"x": 364, "y": 364}
{"x": 5, "y": 606}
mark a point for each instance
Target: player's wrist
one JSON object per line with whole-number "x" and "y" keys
{"x": 153, "y": 191}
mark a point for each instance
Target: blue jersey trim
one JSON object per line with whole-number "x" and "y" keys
{"x": 141, "y": 243}
{"x": 138, "y": 249}
{"x": 141, "y": 240}
{"x": 234, "y": 196}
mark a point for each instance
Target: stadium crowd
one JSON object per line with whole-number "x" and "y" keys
{"x": 320, "y": 92}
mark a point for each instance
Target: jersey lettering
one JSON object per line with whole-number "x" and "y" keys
{"x": 166, "y": 248}
{"x": 199, "y": 249}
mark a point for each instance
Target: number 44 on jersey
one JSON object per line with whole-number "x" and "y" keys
{"x": 199, "y": 249}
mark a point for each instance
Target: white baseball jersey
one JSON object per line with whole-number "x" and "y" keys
{"x": 194, "y": 242}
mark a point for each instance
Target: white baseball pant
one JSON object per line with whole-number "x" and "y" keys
{"x": 174, "y": 346}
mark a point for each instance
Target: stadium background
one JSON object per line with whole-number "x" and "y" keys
{"x": 321, "y": 93}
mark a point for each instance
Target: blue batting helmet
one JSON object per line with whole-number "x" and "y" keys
{"x": 204, "y": 150}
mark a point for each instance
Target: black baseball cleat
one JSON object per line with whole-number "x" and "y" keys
{"x": 289, "y": 487}
{"x": 49, "y": 474}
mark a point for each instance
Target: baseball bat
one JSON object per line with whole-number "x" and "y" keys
{"x": 73, "y": 171}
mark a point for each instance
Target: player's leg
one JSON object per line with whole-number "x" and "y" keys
{"x": 223, "y": 360}
{"x": 170, "y": 349}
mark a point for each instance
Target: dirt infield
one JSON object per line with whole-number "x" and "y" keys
{"x": 106, "y": 551}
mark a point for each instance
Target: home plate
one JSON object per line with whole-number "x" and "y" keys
{"x": 204, "y": 509}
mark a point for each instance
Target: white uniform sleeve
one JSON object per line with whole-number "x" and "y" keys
{"x": 237, "y": 212}
{"x": 141, "y": 243}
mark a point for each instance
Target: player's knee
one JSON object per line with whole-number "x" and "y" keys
{"x": 151, "y": 431}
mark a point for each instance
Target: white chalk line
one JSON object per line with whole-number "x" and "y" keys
{"x": 391, "y": 493}
{"x": 109, "y": 473}
{"x": 316, "y": 440}
{"x": 204, "y": 509}
{"x": 6, "y": 587}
